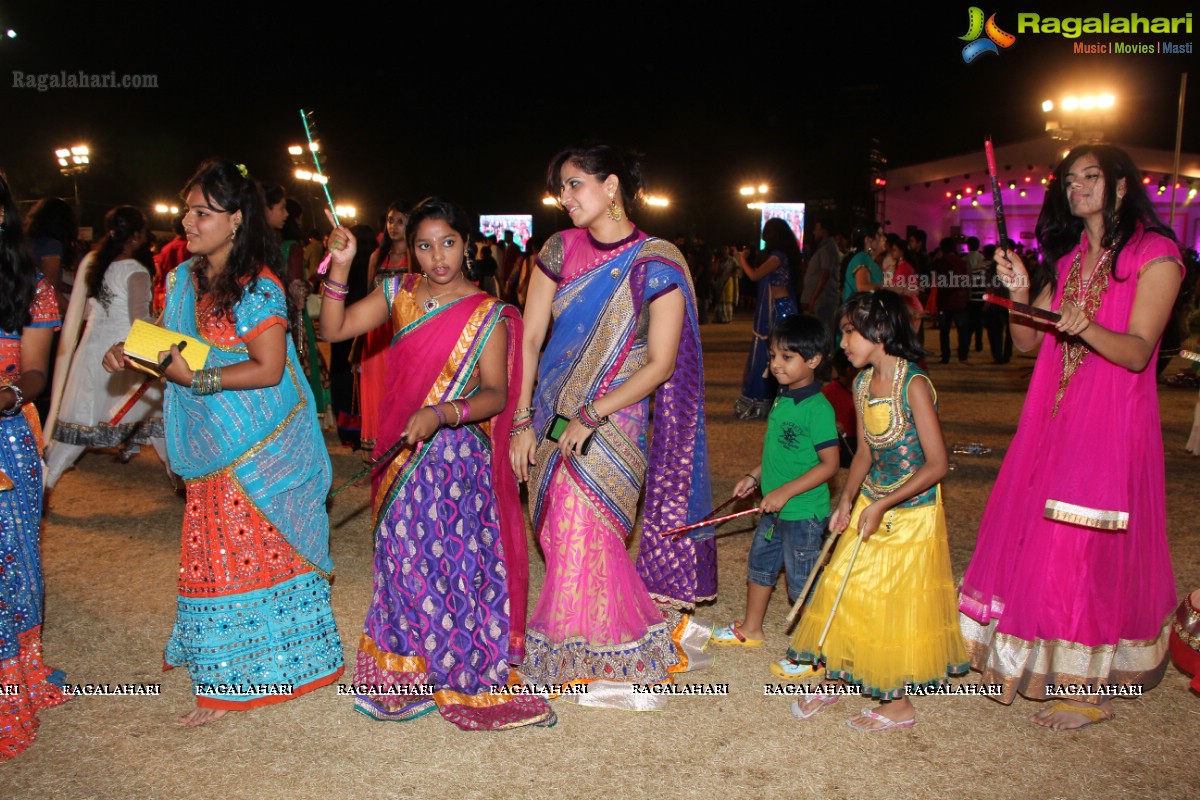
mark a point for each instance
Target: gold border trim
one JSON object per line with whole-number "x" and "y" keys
{"x": 1097, "y": 518}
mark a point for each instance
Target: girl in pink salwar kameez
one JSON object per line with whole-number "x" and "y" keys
{"x": 1071, "y": 581}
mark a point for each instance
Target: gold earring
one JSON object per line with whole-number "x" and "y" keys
{"x": 233, "y": 235}
{"x": 614, "y": 211}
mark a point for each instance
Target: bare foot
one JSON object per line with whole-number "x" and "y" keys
{"x": 201, "y": 716}
{"x": 886, "y": 716}
{"x": 1069, "y": 715}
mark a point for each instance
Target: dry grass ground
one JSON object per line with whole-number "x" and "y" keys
{"x": 111, "y": 549}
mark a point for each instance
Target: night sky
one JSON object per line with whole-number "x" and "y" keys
{"x": 421, "y": 98}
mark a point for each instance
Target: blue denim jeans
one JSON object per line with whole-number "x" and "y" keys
{"x": 793, "y": 547}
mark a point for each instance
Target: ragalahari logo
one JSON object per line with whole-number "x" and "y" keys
{"x": 976, "y": 27}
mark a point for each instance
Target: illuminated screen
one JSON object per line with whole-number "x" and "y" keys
{"x": 496, "y": 224}
{"x": 791, "y": 213}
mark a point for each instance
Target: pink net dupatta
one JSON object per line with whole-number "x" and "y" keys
{"x": 416, "y": 361}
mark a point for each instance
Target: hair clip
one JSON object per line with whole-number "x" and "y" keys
{"x": 242, "y": 169}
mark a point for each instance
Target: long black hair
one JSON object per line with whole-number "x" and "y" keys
{"x": 121, "y": 224}
{"x": 778, "y": 236}
{"x": 357, "y": 279}
{"x": 291, "y": 226}
{"x": 1058, "y": 231}
{"x": 53, "y": 218}
{"x": 882, "y": 317}
{"x": 385, "y": 247}
{"x": 18, "y": 278}
{"x": 226, "y": 188}
{"x": 601, "y": 160}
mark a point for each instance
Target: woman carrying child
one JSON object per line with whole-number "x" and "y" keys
{"x": 896, "y": 623}
{"x": 450, "y": 553}
{"x": 800, "y": 455}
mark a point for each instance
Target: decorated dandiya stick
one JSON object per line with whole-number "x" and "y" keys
{"x": 1189, "y": 355}
{"x": 812, "y": 578}
{"x": 997, "y": 200}
{"x": 838, "y": 599}
{"x": 721, "y": 507}
{"x": 141, "y": 390}
{"x": 323, "y": 267}
{"x": 1023, "y": 308}
{"x": 383, "y": 459}
{"x": 703, "y": 522}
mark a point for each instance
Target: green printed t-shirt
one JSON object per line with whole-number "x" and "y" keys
{"x": 801, "y": 423}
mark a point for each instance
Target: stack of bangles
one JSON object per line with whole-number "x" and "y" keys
{"x": 206, "y": 381}
{"x": 522, "y": 421}
{"x": 334, "y": 290}
{"x": 461, "y": 413}
{"x": 589, "y": 418}
{"x": 18, "y": 400}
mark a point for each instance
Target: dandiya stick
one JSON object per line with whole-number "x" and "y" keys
{"x": 812, "y": 578}
{"x": 383, "y": 459}
{"x": 1023, "y": 308}
{"x": 841, "y": 590}
{"x": 1189, "y": 355}
{"x": 141, "y": 390}
{"x": 703, "y": 522}
{"x": 997, "y": 200}
{"x": 721, "y": 507}
{"x": 323, "y": 267}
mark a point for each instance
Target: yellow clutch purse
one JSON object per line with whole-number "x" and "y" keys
{"x": 146, "y": 340}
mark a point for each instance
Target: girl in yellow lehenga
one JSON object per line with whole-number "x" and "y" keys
{"x": 896, "y": 625}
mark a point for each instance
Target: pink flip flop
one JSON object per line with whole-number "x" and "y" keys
{"x": 797, "y": 705}
{"x": 887, "y": 724}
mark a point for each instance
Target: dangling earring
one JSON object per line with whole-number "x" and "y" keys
{"x": 614, "y": 211}
{"x": 233, "y": 235}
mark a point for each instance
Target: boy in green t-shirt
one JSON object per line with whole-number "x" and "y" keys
{"x": 800, "y": 455}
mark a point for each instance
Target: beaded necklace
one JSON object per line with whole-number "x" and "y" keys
{"x": 1088, "y": 297}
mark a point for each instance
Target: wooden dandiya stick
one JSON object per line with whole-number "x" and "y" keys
{"x": 1189, "y": 355}
{"x": 812, "y": 578}
{"x": 997, "y": 200}
{"x": 141, "y": 390}
{"x": 841, "y": 590}
{"x": 1023, "y": 308}
{"x": 383, "y": 459}
{"x": 703, "y": 522}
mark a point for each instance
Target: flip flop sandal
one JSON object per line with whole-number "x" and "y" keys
{"x": 886, "y": 724}
{"x": 1093, "y": 714}
{"x": 798, "y": 705}
{"x": 730, "y": 635}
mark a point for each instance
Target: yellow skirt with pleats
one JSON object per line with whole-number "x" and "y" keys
{"x": 897, "y": 622}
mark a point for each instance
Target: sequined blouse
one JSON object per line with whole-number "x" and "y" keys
{"x": 44, "y": 311}
{"x": 891, "y": 433}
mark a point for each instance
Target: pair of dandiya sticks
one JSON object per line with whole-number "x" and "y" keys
{"x": 812, "y": 576}
{"x": 1020, "y": 308}
{"x": 1002, "y": 233}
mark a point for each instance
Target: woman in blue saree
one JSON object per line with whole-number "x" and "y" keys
{"x": 776, "y": 300}
{"x": 253, "y": 622}
{"x": 624, "y": 329}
